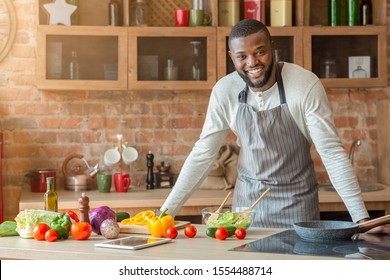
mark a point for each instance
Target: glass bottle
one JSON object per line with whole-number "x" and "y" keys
{"x": 365, "y": 12}
{"x": 74, "y": 66}
{"x": 328, "y": 67}
{"x": 51, "y": 197}
{"x": 352, "y": 12}
{"x": 74, "y": 18}
{"x": 114, "y": 13}
{"x": 139, "y": 13}
{"x": 195, "y": 67}
{"x": 334, "y": 12}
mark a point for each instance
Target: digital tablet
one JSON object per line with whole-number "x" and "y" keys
{"x": 133, "y": 242}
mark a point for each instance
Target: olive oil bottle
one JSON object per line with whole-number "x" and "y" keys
{"x": 51, "y": 197}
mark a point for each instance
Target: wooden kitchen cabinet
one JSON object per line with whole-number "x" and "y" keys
{"x": 191, "y": 50}
{"x": 101, "y": 52}
{"x": 365, "y": 45}
{"x": 129, "y": 51}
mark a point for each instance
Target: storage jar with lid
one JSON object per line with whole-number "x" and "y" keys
{"x": 139, "y": 13}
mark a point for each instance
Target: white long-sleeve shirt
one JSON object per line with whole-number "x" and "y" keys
{"x": 309, "y": 106}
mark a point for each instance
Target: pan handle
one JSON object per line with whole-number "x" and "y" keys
{"x": 366, "y": 226}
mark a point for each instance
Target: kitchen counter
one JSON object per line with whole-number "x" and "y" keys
{"x": 136, "y": 200}
{"x": 200, "y": 247}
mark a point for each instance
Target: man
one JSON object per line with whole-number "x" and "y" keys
{"x": 277, "y": 111}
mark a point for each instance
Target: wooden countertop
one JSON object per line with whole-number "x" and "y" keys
{"x": 136, "y": 200}
{"x": 200, "y": 247}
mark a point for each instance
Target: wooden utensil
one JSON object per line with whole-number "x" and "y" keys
{"x": 214, "y": 216}
{"x": 245, "y": 214}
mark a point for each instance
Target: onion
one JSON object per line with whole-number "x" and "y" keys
{"x": 110, "y": 228}
{"x": 98, "y": 215}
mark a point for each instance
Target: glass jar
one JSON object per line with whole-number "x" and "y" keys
{"x": 139, "y": 13}
{"x": 328, "y": 67}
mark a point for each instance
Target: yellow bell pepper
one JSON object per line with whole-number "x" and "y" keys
{"x": 158, "y": 226}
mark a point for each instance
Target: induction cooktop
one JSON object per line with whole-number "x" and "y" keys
{"x": 288, "y": 242}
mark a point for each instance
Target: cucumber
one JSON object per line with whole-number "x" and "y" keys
{"x": 120, "y": 216}
{"x": 210, "y": 232}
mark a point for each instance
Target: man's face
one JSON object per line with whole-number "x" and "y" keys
{"x": 252, "y": 57}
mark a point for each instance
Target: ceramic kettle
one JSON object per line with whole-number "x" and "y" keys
{"x": 77, "y": 176}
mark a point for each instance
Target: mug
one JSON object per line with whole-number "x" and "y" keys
{"x": 122, "y": 182}
{"x": 182, "y": 17}
{"x": 111, "y": 157}
{"x": 129, "y": 154}
{"x": 196, "y": 17}
{"x": 104, "y": 181}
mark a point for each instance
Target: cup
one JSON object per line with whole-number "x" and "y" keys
{"x": 196, "y": 17}
{"x": 104, "y": 181}
{"x": 111, "y": 157}
{"x": 182, "y": 17}
{"x": 122, "y": 182}
{"x": 129, "y": 154}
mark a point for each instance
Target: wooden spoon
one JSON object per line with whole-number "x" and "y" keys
{"x": 214, "y": 216}
{"x": 245, "y": 214}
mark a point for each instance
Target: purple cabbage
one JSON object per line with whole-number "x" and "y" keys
{"x": 98, "y": 215}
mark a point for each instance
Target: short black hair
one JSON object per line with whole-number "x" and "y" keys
{"x": 247, "y": 27}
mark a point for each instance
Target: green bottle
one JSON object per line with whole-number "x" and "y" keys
{"x": 50, "y": 196}
{"x": 352, "y": 12}
{"x": 334, "y": 12}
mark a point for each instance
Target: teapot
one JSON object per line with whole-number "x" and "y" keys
{"x": 77, "y": 172}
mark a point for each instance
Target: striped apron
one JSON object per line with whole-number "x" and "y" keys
{"x": 274, "y": 154}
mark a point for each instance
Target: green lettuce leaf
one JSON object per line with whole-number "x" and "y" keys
{"x": 27, "y": 219}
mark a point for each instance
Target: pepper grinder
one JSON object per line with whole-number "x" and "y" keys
{"x": 150, "y": 175}
{"x": 84, "y": 208}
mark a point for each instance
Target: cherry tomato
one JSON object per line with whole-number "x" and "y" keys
{"x": 240, "y": 233}
{"x": 172, "y": 233}
{"x": 72, "y": 215}
{"x": 190, "y": 231}
{"x": 51, "y": 235}
{"x": 40, "y": 230}
{"x": 221, "y": 233}
{"x": 80, "y": 230}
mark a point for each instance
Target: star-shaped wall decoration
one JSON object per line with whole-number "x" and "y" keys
{"x": 60, "y": 12}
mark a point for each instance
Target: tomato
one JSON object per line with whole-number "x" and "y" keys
{"x": 40, "y": 230}
{"x": 51, "y": 235}
{"x": 72, "y": 215}
{"x": 221, "y": 233}
{"x": 80, "y": 230}
{"x": 172, "y": 233}
{"x": 240, "y": 233}
{"x": 190, "y": 231}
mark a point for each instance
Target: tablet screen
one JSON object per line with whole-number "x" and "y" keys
{"x": 133, "y": 242}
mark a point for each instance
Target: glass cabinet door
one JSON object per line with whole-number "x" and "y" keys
{"x": 171, "y": 57}
{"x": 347, "y": 57}
{"x": 288, "y": 46}
{"x": 82, "y": 58}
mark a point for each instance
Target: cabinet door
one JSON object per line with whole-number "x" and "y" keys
{"x": 101, "y": 54}
{"x": 347, "y": 56}
{"x": 171, "y": 58}
{"x": 288, "y": 45}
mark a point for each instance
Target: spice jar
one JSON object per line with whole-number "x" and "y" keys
{"x": 139, "y": 13}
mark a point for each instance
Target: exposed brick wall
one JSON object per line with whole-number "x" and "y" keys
{"x": 42, "y": 128}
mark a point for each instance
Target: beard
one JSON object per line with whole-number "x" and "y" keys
{"x": 258, "y": 84}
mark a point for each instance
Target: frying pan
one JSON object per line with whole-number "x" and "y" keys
{"x": 335, "y": 230}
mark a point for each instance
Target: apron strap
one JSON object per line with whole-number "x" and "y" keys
{"x": 279, "y": 80}
{"x": 242, "y": 97}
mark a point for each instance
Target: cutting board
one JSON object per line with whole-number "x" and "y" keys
{"x": 144, "y": 229}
